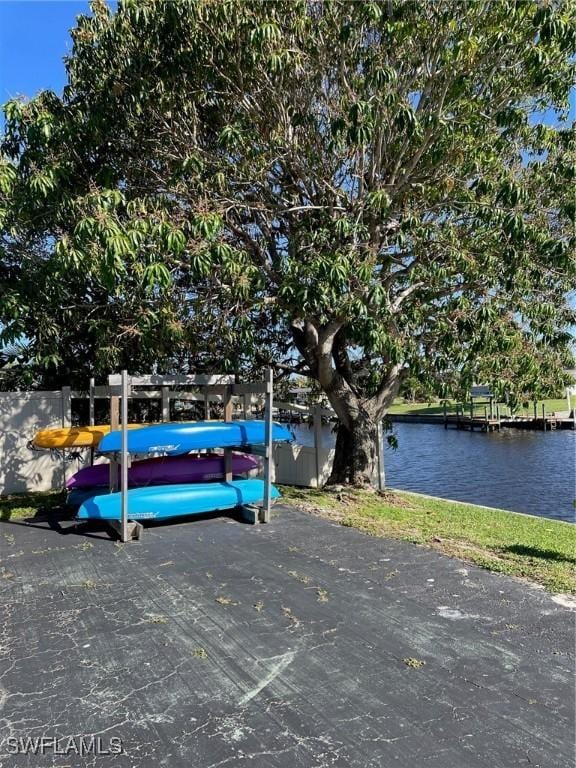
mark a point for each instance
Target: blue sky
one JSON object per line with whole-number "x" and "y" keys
{"x": 34, "y": 38}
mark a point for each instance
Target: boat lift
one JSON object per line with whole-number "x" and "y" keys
{"x": 121, "y": 389}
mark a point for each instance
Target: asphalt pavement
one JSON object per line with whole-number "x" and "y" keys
{"x": 216, "y": 644}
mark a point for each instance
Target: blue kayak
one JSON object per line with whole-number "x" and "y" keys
{"x": 78, "y": 496}
{"x": 161, "y": 502}
{"x": 174, "y": 438}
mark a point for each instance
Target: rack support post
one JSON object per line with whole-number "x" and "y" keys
{"x": 124, "y": 458}
{"x": 269, "y": 457}
{"x": 114, "y": 425}
{"x": 228, "y": 418}
{"x": 91, "y": 403}
{"x": 66, "y": 416}
{"x": 165, "y": 404}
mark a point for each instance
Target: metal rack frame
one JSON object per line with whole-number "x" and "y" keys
{"x": 120, "y": 390}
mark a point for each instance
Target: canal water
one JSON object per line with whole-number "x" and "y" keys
{"x": 519, "y": 470}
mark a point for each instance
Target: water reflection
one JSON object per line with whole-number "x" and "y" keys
{"x": 524, "y": 471}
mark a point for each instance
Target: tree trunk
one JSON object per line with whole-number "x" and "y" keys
{"x": 325, "y": 352}
{"x": 356, "y": 457}
{"x": 342, "y": 466}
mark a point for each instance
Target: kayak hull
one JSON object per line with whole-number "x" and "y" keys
{"x": 165, "y": 470}
{"x": 74, "y": 437}
{"x": 168, "y": 501}
{"x": 177, "y": 438}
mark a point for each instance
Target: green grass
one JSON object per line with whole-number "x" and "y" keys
{"x": 542, "y": 550}
{"x": 20, "y": 505}
{"x": 431, "y": 409}
{"x": 437, "y": 408}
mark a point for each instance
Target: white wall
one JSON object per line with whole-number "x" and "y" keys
{"x": 300, "y": 465}
{"x": 22, "y": 414}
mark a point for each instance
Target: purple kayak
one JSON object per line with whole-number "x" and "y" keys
{"x": 166, "y": 470}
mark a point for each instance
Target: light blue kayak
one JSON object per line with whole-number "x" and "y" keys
{"x": 162, "y": 502}
{"x": 174, "y": 438}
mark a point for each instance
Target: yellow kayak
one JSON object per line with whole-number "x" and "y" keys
{"x": 73, "y": 437}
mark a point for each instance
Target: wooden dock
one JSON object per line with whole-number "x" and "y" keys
{"x": 471, "y": 423}
{"x": 492, "y": 420}
{"x": 485, "y": 421}
{"x": 486, "y": 424}
{"x": 548, "y": 423}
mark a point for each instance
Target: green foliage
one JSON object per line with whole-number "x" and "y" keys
{"x": 241, "y": 180}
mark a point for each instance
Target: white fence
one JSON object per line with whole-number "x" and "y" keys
{"x": 22, "y": 414}
{"x": 303, "y": 465}
{"x": 22, "y": 468}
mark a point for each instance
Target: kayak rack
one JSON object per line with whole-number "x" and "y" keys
{"x": 120, "y": 390}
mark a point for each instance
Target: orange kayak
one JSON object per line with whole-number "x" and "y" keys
{"x": 73, "y": 437}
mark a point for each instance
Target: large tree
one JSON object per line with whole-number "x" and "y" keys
{"x": 365, "y": 190}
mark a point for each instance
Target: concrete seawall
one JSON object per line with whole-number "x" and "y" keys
{"x": 547, "y": 424}
{"x": 417, "y": 418}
